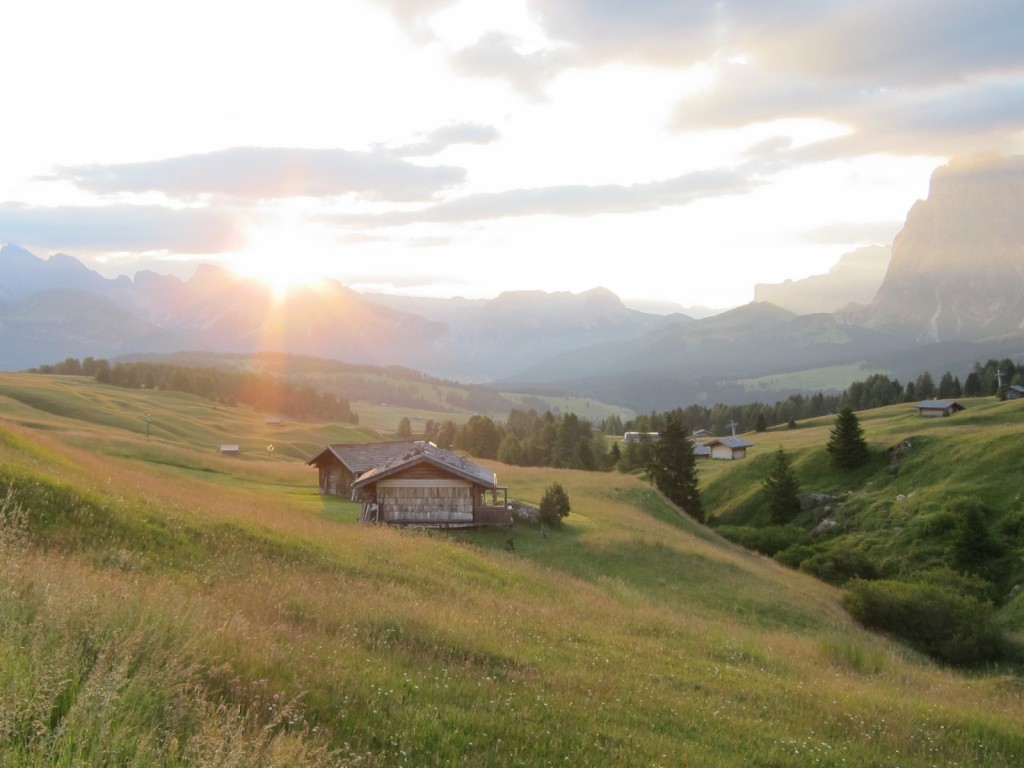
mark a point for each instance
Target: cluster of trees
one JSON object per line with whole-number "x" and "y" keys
{"x": 875, "y": 391}
{"x": 780, "y": 488}
{"x": 983, "y": 380}
{"x": 528, "y": 438}
{"x": 260, "y": 391}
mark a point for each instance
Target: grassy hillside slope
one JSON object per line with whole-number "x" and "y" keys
{"x": 163, "y": 605}
{"x": 895, "y": 511}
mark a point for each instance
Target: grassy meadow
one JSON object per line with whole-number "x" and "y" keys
{"x": 163, "y": 605}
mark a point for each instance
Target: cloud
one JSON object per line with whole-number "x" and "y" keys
{"x": 941, "y": 76}
{"x": 448, "y": 135}
{"x": 914, "y": 41}
{"x": 412, "y": 15}
{"x": 261, "y": 173}
{"x": 495, "y": 56}
{"x": 568, "y": 200}
{"x": 120, "y": 228}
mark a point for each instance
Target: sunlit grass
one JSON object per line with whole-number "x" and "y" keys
{"x": 183, "y": 608}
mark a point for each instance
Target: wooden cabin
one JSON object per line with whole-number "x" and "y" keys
{"x": 938, "y": 408}
{"x": 729, "y": 448}
{"x": 1014, "y": 392}
{"x": 429, "y": 486}
{"x": 340, "y": 464}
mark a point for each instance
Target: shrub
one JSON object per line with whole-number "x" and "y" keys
{"x": 838, "y": 566}
{"x": 974, "y": 547}
{"x": 768, "y": 540}
{"x": 794, "y": 554}
{"x": 554, "y": 505}
{"x": 933, "y": 619}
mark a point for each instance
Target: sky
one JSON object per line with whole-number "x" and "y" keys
{"x": 668, "y": 151}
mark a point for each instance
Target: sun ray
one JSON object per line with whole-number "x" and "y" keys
{"x": 284, "y": 254}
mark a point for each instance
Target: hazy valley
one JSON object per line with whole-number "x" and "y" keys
{"x": 949, "y": 295}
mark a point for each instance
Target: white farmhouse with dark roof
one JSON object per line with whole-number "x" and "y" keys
{"x": 729, "y": 448}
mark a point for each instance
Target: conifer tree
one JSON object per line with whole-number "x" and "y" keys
{"x": 554, "y": 505}
{"x": 673, "y": 467}
{"x": 846, "y": 444}
{"x": 781, "y": 490}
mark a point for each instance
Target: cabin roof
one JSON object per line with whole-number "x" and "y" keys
{"x": 730, "y": 442}
{"x": 938, "y": 405}
{"x": 360, "y": 457}
{"x": 422, "y": 452}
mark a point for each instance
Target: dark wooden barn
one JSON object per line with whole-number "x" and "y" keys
{"x": 429, "y": 486}
{"x": 340, "y": 464}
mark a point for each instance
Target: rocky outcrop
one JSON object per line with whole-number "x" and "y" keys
{"x": 957, "y": 267}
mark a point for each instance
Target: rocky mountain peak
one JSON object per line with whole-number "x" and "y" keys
{"x": 957, "y": 267}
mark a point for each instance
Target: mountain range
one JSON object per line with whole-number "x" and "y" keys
{"x": 951, "y": 292}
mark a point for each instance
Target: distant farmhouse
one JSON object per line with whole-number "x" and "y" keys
{"x": 728, "y": 448}
{"x": 1014, "y": 392}
{"x": 413, "y": 483}
{"x": 636, "y": 437}
{"x": 938, "y": 408}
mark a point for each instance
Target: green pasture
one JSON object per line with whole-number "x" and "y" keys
{"x": 830, "y": 378}
{"x": 163, "y": 605}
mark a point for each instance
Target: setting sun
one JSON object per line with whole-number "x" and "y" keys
{"x": 284, "y": 255}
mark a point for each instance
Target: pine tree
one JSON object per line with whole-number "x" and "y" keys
{"x": 554, "y": 505}
{"x": 846, "y": 443}
{"x": 925, "y": 386}
{"x": 781, "y": 490}
{"x": 673, "y": 467}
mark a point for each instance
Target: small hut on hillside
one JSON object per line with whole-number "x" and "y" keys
{"x": 729, "y": 448}
{"x": 429, "y": 486}
{"x": 938, "y": 408}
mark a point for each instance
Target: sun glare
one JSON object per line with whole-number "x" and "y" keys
{"x": 285, "y": 255}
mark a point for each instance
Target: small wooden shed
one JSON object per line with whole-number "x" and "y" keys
{"x": 729, "y": 448}
{"x": 429, "y": 486}
{"x": 1015, "y": 392}
{"x": 938, "y": 408}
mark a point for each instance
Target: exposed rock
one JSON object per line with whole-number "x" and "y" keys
{"x": 524, "y": 513}
{"x": 824, "y": 527}
{"x": 815, "y": 500}
{"x": 957, "y": 268}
